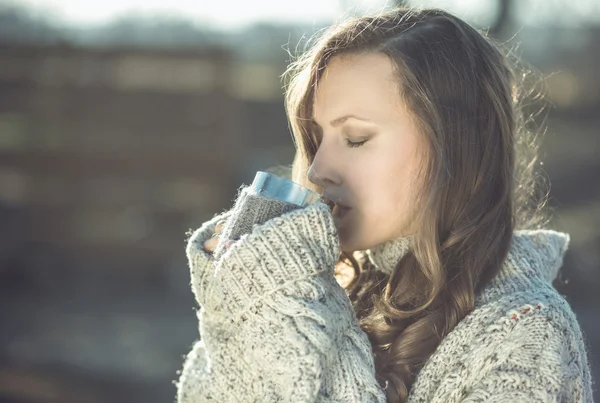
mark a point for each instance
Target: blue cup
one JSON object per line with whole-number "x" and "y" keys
{"x": 275, "y": 187}
{"x": 267, "y": 197}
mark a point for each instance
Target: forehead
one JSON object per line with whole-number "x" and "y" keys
{"x": 363, "y": 83}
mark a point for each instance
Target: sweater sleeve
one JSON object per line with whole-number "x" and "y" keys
{"x": 200, "y": 262}
{"x": 275, "y": 325}
{"x": 537, "y": 362}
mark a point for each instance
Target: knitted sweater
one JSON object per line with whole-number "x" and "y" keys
{"x": 275, "y": 325}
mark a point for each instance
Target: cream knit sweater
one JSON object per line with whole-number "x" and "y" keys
{"x": 275, "y": 325}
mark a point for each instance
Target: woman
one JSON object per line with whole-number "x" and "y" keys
{"x": 409, "y": 123}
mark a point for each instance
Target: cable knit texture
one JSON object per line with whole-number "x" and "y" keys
{"x": 275, "y": 326}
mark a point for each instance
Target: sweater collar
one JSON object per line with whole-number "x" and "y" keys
{"x": 533, "y": 253}
{"x": 386, "y": 255}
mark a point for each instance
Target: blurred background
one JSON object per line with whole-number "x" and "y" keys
{"x": 124, "y": 124}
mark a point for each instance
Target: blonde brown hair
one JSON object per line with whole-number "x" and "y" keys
{"x": 464, "y": 96}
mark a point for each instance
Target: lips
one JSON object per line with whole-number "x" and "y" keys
{"x": 328, "y": 202}
{"x": 339, "y": 210}
{"x": 334, "y": 205}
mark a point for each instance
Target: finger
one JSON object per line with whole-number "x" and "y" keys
{"x": 228, "y": 244}
{"x": 219, "y": 227}
{"x": 211, "y": 244}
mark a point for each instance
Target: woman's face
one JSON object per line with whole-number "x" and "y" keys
{"x": 369, "y": 153}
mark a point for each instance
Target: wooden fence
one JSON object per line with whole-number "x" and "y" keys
{"x": 111, "y": 155}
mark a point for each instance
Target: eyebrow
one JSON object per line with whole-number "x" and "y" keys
{"x": 340, "y": 120}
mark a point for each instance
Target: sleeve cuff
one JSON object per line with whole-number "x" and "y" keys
{"x": 200, "y": 262}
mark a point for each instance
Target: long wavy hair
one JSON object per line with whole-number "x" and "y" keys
{"x": 479, "y": 176}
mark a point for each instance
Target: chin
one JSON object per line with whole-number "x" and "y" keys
{"x": 349, "y": 241}
{"x": 345, "y": 244}
{"x": 352, "y": 245}
{"x": 350, "y": 237}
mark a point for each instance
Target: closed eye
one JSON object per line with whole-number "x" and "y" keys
{"x": 317, "y": 134}
{"x": 355, "y": 144}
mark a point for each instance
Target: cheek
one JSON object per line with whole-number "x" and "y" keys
{"x": 388, "y": 194}
{"x": 381, "y": 185}
{"x": 387, "y": 207}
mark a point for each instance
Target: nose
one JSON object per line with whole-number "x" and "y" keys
{"x": 322, "y": 173}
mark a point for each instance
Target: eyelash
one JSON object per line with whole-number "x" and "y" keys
{"x": 354, "y": 145}
{"x": 348, "y": 142}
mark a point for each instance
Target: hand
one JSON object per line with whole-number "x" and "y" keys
{"x": 297, "y": 245}
{"x": 211, "y": 244}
